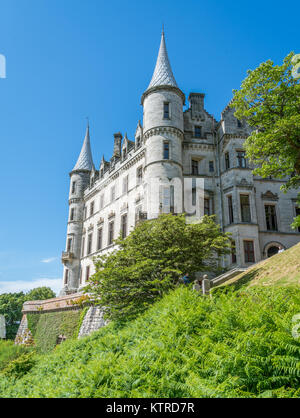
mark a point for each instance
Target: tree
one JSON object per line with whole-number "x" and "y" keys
{"x": 269, "y": 100}
{"x": 150, "y": 260}
{"x": 40, "y": 293}
{"x": 11, "y": 306}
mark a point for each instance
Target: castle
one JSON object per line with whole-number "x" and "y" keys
{"x": 174, "y": 151}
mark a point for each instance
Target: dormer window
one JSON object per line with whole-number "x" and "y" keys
{"x": 197, "y": 131}
{"x": 166, "y": 110}
{"x": 101, "y": 172}
{"x": 124, "y": 152}
{"x": 138, "y": 142}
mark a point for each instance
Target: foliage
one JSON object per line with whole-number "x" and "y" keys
{"x": 9, "y": 352}
{"x": 20, "y": 366}
{"x": 47, "y": 327}
{"x": 269, "y": 100}
{"x": 40, "y": 293}
{"x": 235, "y": 344}
{"x": 150, "y": 260}
{"x": 11, "y": 306}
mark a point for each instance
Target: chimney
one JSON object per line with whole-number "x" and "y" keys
{"x": 117, "y": 144}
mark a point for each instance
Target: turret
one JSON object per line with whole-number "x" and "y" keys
{"x": 79, "y": 180}
{"x": 163, "y": 132}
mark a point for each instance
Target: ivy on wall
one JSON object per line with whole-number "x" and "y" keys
{"x": 47, "y": 327}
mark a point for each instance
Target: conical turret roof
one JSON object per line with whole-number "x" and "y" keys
{"x": 85, "y": 159}
{"x": 163, "y": 74}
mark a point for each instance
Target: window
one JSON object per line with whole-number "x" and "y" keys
{"x": 297, "y": 214}
{"x": 166, "y": 110}
{"x": 99, "y": 239}
{"x": 271, "y": 219}
{"x": 166, "y": 150}
{"x": 124, "y": 153}
{"x": 241, "y": 159}
{"x": 230, "y": 209}
{"x": 73, "y": 186}
{"x": 69, "y": 245}
{"x": 249, "y": 252}
{"x": 82, "y": 247}
{"x": 206, "y": 207}
{"x": 138, "y": 142}
{"x": 102, "y": 201}
{"x": 101, "y": 173}
{"x": 66, "y": 276}
{"x": 85, "y": 212}
{"x": 89, "y": 247}
{"x": 87, "y": 273}
{"x": 197, "y": 131}
{"x": 125, "y": 184}
{"x": 233, "y": 252}
{"x": 239, "y": 123}
{"x": 139, "y": 175}
{"x": 112, "y": 193}
{"x": 245, "y": 208}
{"x": 211, "y": 167}
{"x": 194, "y": 192}
{"x": 72, "y": 214}
{"x": 92, "y": 208}
{"x": 195, "y": 167}
{"x": 110, "y": 233}
{"x": 227, "y": 161}
{"x": 124, "y": 226}
{"x": 172, "y": 208}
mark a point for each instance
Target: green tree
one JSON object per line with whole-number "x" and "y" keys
{"x": 269, "y": 100}
{"x": 40, "y": 293}
{"x": 11, "y": 306}
{"x": 150, "y": 260}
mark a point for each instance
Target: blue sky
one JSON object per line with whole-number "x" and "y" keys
{"x": 70, "y": 59}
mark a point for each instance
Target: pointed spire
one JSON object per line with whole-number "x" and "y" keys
{"x": 85, "y": 159}
{"x": 163, "y": 75}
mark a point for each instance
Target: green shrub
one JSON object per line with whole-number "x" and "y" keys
{"x": 19, "y": 367}
{"x": 10, "y": 352}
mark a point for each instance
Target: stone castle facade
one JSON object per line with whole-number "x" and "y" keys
{"x": 173, "y": 152}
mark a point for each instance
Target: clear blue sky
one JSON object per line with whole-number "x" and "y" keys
{"x": 75, "y": 58}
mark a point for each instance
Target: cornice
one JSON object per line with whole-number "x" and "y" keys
{"x": 164, "y": 130}
{"x": 165, "y": 87}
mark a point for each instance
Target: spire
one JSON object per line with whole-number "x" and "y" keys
{"x": 85, "y": 159}
{"x": 163, "y": 75}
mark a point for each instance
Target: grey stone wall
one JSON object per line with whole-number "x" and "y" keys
{"x": 93, "y": 321}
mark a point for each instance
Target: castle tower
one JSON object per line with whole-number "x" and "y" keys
{"x": 79, "y": 179}
{"x": 163, "y": 134}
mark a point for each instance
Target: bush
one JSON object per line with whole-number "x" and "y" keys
{"x": 10, "y": 352}
{"x": 150, "y": 261}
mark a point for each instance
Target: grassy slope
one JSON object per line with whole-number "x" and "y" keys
{"x": 237, "y": 343}
{"x": 280, "y": 270}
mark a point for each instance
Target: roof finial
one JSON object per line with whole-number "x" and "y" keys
{"x": 163, "y": 29}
